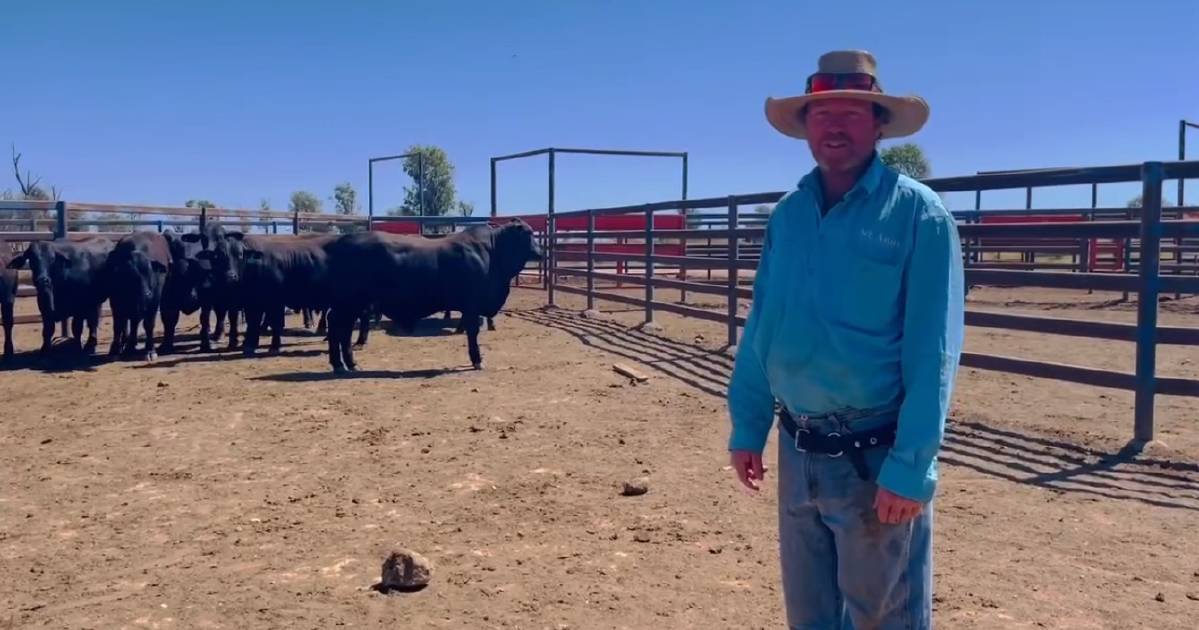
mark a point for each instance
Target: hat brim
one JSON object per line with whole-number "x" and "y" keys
{"x": 908, "y": 113}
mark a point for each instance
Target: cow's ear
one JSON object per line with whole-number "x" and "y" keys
{"x": 235, "y": 235}
{"x": 17, "y": 263}
{"x": 157, "y": 266}
{"x": 191, "y": 237}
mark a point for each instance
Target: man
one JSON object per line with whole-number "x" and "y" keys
{"x": 854, "y": 336}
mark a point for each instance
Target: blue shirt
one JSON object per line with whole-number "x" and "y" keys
{"x": 860, "y": 308}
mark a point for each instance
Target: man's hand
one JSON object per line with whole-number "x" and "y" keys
{"x": 894, "y": 509}
{"x": 748, "y": 465}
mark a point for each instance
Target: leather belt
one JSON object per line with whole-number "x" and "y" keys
{"x": 836, "y": 444}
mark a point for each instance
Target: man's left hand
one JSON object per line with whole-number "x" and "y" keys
{"x": 894, "y": 509}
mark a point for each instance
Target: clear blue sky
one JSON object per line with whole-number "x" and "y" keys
{"x": 158, "y": 102}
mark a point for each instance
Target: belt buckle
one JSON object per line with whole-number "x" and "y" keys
{"x": 835, "y": 434}
{"x": 799, "y": 433}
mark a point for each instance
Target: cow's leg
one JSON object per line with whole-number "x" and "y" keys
{"x": 490, "y": 324}
{"x": 253, "y": 318}
{"x": 148, "y": 327}
{"x": 364, "y": 326}
{"x": 233, "y": 315}
{"x": 131, "y": 337}
{"x": 277, "y": 321}
{"x": 205, "y": 339}
{"x": 322, "y": 325}
{"x": 306, "y": 313}
{"x": 335, "y": 359}
{"x": 345, "y": 331}
{"x": 77, "y": 333}
{"x": 472, "y": 340}
{"x": 446, "y": 317}
{"x": 6, "y": 314}
{"x": 170, "y": 319}
{"x": 219, "y": 328}
{"x": 64, "y": 328}
{"x": 93, "y": 329}
{"x": 118, "y": 333}
{"x": 47, "y": 334}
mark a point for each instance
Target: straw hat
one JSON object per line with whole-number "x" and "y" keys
{"x": 848, "y": 74}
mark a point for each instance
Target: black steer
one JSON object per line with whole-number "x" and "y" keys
{"x": 8, "y": 295}
{"x": 136, "y": 273}
{"x": 68, "y": 277}
{"x": 187, "y": 278}
{"x": 410, "y": 277}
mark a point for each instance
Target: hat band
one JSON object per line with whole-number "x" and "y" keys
{"x": 827, "y": 81}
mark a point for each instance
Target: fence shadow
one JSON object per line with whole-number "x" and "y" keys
{"x": 329, "y": 375}
{"x": 1061, "y": 466}
{"x": 705, "y": 370}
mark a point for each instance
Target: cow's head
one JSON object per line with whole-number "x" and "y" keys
{"x": 224, "y": 253}
{"x": 46, "y": 264}
{"x": 515, "y": 245}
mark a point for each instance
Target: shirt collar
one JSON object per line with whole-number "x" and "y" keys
{"x": 867, "y": 183}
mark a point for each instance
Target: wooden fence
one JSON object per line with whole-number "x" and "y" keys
{"x": 1143, "y": 229}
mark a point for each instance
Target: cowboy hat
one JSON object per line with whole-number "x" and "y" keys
{"x": 857, "y": 68}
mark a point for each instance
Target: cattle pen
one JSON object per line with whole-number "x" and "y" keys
{"x": 206, "y": 489}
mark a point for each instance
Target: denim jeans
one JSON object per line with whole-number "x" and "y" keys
{"x": 841, "y": 567}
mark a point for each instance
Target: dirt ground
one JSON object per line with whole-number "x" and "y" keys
{"x": 211, "y": 491}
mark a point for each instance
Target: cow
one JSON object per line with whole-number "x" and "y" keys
{"x": 135, "y": 274}
{"x": 281, "y": 272}
{"x": 409, "y": 278}
{"x": 220, "y": 294}
{"x": 69, "y": 282}
{"x": 187, "y": 278}
{"x": 8, "y": 296}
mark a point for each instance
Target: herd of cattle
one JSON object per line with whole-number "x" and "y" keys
{"x": 346, "y": 278}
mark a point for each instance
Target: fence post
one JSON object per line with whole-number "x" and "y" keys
{"x": 591, "y": 260}
{"x": 60, "y": 219}
{"x": 649, "y": 266}
{"x": 1150, "y": 285}
{"x": 734, "y": 253}
{"x": 295, "y": 221}
{"x": 551, "y": 258}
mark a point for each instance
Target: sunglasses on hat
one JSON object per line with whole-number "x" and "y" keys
{"x": 825, "y": 81}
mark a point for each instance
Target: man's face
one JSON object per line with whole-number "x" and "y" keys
{"x": 841, "y": 133}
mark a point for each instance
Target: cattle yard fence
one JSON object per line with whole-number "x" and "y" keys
{"x": 1151, "y": 244}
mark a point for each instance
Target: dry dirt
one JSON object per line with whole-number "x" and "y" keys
{"x": 210, "y": 491}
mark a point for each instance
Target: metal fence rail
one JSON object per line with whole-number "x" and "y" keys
{"x": 1142, "y": 228}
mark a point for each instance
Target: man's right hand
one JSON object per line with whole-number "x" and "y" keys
{"x": 749, "y": 468}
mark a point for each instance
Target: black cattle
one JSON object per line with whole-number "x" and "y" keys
{"x": 187, "y": 278}
{"x": 281, "y": 272}
{"x": 8, "y": 296}
{"x": 410, "y": 277}
{"x": 135, "y": 274}
{"x": 68, "y": 277}
{"x": 220, "y": 294}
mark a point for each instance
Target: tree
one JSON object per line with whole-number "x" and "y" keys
{"x": 345, "y": 199}
{"x": 1137, "y": 201}
{"x": 762, "y": 209}
{"x": 466, "y": 208}
{"x": 199, "y": 203}
{"x": 304, "y": 201}
{"x": 907, "y": 158}
{"x": 264, "y": 204}
{"x": 438, "y": 176}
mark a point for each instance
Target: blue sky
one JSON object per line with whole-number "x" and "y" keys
{"x": 158, "y": 102}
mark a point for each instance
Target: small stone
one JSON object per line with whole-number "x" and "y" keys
{"x": 47, "y": 440}
{"x": 1161, "y": 597}
{"x": 634, "y": 488}
{"x": 162, "y": 384}
{"x": 641, "y": 537}
{"x": 715, "y": 549}
{"x": 1193, "y": 597}
{"x": 405, "y": 570}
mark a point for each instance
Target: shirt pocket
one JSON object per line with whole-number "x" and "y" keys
{"x": 867, "y": 292}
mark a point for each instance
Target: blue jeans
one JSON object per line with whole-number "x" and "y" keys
{"x": 842, "y": 568}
